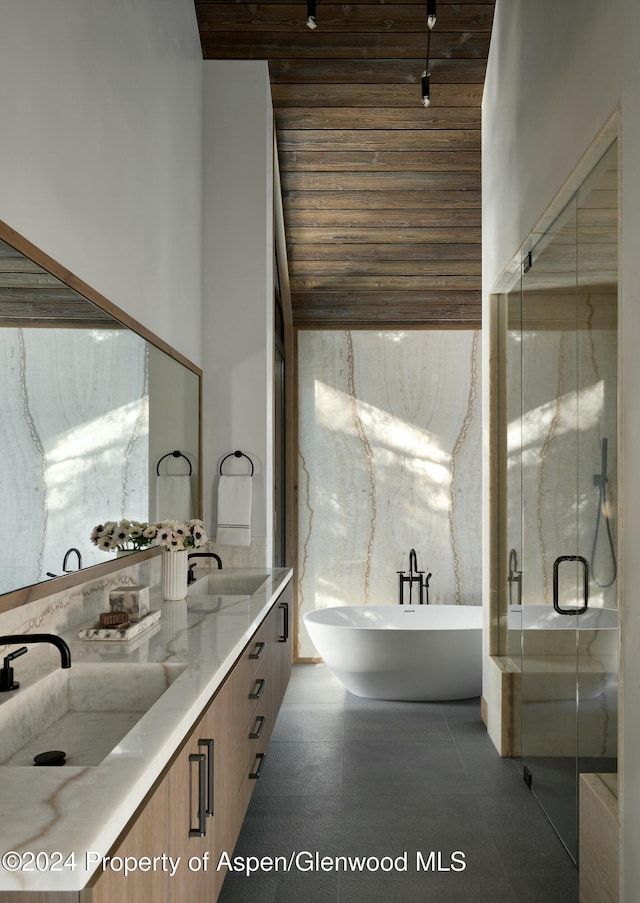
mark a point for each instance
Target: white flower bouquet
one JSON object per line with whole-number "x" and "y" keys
{"x": 128, "y": 535}
{"x": 177, "y": 535}
{"x": 122, "y": 535}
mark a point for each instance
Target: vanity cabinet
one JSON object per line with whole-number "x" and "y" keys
{"x": 196, "y": 808}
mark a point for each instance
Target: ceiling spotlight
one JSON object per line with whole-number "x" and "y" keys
{"x": 311, "y": 14}
{"x": 431, "y": 14}
{"x": 425, "y": 89}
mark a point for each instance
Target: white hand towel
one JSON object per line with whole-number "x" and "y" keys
{"x": 173, "y": 497}
{"x": 234, "y": 511}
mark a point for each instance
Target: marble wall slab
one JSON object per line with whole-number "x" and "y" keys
{"x": 389, "y": 460}
{"x": 565, "y": 405}
{"x": 74, "y": 444}
{"x": 78, "y": 607}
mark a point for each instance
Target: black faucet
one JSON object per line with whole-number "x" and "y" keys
{"x": 65, "y": 570}
{"x": 66, "y": 558}
{"x": 191, "y": 577}
{"x": 415, "y": 576}
{"x": 6, "y": 674}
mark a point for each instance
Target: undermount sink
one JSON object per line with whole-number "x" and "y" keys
{"x": 223, "y": 583}
{"x": 85, "y": 710}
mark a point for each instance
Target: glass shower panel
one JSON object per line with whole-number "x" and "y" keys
{"x": 511, "y": 467}
{"x": 552, "y": 571}
{"x": 597, "y": 635}
{"x": 567, "y": 447}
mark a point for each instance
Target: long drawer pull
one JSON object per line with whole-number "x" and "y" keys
{"x": 258, "y": 650}
{"x": 258, "y": 689}
{"x": 208, "y": 745}
{"x": 254, "y": 775}
{"x": 258, "y": 727}
{"x": 201, "y": 830}
{"x": 285, "y": 627}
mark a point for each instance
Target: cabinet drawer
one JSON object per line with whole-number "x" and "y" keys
{"x": 251, "y": 698}
{"x": 253, "y": 769}
{"x": 251, "y": 682}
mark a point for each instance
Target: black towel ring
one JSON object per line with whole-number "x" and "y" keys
{"x": 175, "y": 454}
{"x": 237, "y": 454}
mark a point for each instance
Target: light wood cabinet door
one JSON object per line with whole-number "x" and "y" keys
{"x": 172, "y": 835}
{"x": 279, "y": 653}
{"x": 195, "y": 811}
{"x": 145, "y": 836}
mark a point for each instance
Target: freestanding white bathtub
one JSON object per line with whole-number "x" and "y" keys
{"x": 403, "y": 652}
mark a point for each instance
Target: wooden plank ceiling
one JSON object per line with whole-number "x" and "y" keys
{"x": 30, "y": 296}
{"x": 381, "y": 196}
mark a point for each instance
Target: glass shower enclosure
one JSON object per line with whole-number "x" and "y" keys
{"x": 560, "y": 591}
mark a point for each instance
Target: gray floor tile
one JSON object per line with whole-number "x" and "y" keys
{"x": 377, "y": 720}
{"x": 401, "y": 767}
{"x": 547, "y": 888}
{"x": 352, "y": 776}
{"x": 281, "y": 888}
{"x": 324, "y": 721}
{"x": 297, "y": 888}
{"x": 296, "y": 768}
{"x": 311, "y": 684}
{"x": 282, "y": 826}
{"x": 445, "y": 824}
{"x": 256, "y": 889}
{"x": 526, "y": 842}
{"x": 418, "y": 887}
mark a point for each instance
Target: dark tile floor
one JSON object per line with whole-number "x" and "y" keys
{"x": 346, "y": 776}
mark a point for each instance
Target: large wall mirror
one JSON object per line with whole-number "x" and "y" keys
{"x": 91, "y": 413}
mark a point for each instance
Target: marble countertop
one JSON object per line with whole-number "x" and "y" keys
{"x": 78, "y": 810}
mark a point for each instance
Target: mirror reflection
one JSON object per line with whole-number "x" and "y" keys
{"x": 88, "y": 411}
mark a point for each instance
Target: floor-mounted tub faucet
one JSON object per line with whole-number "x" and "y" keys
{"x": 414, "y": 576}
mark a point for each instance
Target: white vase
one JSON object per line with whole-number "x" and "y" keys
{"x": 174, "y": 575}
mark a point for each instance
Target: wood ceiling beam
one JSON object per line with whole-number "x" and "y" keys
{"x": 375, "y": 72}
{"x": 436, "y": 309}
{"x": 401, "y": 234}
{"x": 377, "y": 253}
{"x": 358, "y": 117}
{"x": 374, "y": 181}
{"x": 397, "y": 160}
{"x": 385, "y": 270}
{"x": 318, "y": 45}
{"x": 381, "y": 200}
{"x": 381, "y": 196}
{"x": 379, "y": 18}
{"x": 383, "y": 219}
{"x": 350, "y": 284}
{"x": 378, "y": 139}
{"x": 353, "y": 95}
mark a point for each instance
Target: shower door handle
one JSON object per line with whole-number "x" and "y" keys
{"x": 585, "y": 585}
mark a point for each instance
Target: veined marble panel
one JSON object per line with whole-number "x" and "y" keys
{"x": 569, "y": 404}
{"x": 76, "y": 453}
{"x": 389, "y": 460}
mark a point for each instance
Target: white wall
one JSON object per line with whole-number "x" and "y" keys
{"x": 556, "y": 73}
{"x": 101, "y": 151}
{"x": 173, "y": 424}
{"x": 238, "y": 283}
